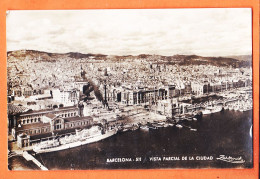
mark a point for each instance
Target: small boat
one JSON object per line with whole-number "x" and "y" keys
{"x": 135, "y": 127}
{"x": 194, "y": 119}
{"x": 120, "y": 128}
{"x": 182, "y": 118}
{"x": 161, "y": 123}
{"x": 144, "y": 128}
{"x": 179, "y": 126}
{"x": 241, "y": 109}
{"x": 170, "y": 124}
{"x": 206, "y": 111}
{"x": 125, "y": 129}
{"x": 152, "y": 127}
{"x": 193, "y": 129}
{"x": 166, "y": 124}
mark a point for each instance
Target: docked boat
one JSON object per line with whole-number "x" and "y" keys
{"x": 144, "y": 128}
{"x": 206, "y": 111}
{"x": 86, "y": 136}
{"x": 179, "y": 126}
{"x": 125, "y": 129}
{"x": 241, "y": 109}
{"x": 210, "y": 109}
{"x": 166, "y": 125}
{"x": 197, "y": 113}
{"x": 194, "y": 119}
{"x": 135, "y": 127}
{"x": 189, "y": 118}
{"x": 152, "y": 127}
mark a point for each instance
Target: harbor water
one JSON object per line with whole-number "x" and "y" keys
{"x": 223, "y": 133}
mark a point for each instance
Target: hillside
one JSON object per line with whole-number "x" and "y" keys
{"x": 234, "y": 61}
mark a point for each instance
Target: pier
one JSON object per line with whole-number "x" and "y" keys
{"x": 29, "y": 157}
{"x": 199, "y": 106}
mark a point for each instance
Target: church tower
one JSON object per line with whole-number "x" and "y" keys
{"x": 82, "y": 72}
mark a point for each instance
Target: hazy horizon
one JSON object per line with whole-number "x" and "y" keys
{"x": 127, "y": 54}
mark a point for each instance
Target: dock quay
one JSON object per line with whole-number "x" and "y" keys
{"x": 29, "y": 157}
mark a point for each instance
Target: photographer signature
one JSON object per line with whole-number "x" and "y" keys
{"x": 231, "y": 159}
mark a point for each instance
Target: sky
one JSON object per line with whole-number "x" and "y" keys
{"x": 205, "y": 32}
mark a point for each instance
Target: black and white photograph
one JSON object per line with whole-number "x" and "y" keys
{"x": 129, "y": 89}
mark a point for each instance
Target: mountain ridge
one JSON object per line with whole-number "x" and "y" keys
{"x": 235, "y": 61}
